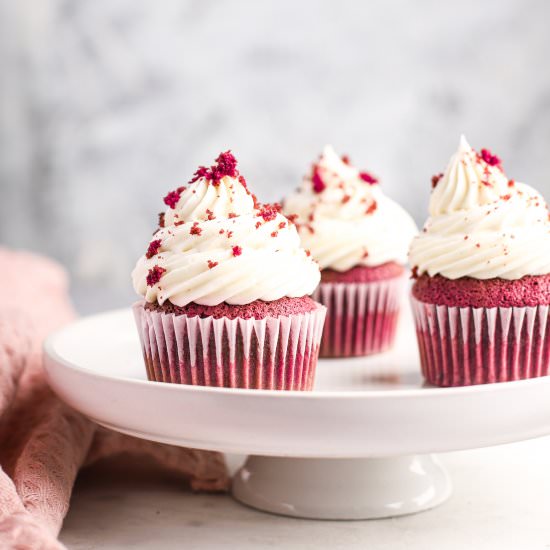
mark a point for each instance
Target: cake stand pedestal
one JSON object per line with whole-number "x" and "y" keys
{"x": 357, "y": 447}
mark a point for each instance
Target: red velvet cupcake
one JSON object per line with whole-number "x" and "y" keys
{"x": 482, "y": 291}
{"x": 226, "y": 290}
{"x": 360, "y": 238}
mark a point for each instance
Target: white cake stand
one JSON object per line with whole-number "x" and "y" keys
{"x": 355, "y": 448}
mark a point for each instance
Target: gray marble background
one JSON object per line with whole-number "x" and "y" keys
{"x": 105, "y": 105}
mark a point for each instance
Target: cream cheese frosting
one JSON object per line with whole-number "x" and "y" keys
{"x": 345, "y": 219}
{"x": 482, "y": 224}
{"x": 218, "y": 244}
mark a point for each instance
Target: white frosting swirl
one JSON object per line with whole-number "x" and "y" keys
{"x": 217, "y": 247}
{"x": 482, "y": 225}
{"x": 346, "y": 221}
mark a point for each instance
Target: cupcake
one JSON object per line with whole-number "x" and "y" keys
{"x": 226, "y": 290}
{"x": 360, "y": 239}
{"x": 482, "y": 270}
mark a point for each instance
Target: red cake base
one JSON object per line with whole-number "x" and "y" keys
{"x": 474, "y": 344}
{"x": 270, "y": 352}
{"x": 363, "y": 309}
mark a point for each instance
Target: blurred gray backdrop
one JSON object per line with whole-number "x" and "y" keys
{"x": 105, "y": 105}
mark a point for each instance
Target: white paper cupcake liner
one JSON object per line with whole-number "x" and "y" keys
{"x": 461, "y": 346}
{"x": 361, "y": 318}
{"x": 272, "y": 353}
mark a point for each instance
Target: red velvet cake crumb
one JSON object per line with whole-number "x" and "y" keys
{"x": 172, "y": 199}
{"x": 154, "y": 275}
{"x": 212, "y": 264}
{"x": 489, "y": 158}
{"x": 369, "y": 178}
{"x": 237, "y": 250}
{"x": 346, "y": 159}
{"x": 436, "y": 178}
{"x": 529, "y": 291}
{"x": 282, "y": 225}
{"x": 317, "y": 181}
{"x": 268, "y": 211}
{"x": 195, "y": 229}
{"x": 255, "y": 310}
{"x": 372, "y": 208}
{"x": 363, "y": 274}
{"x": 511, "y": 183}
{"x": 161, "y": 219}
{"x": 414, "y": 272}
{"x": 226, "y": 165}
{"x": 153, "y": 248}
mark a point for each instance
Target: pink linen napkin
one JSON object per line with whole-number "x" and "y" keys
{"x": 43, "y": 443}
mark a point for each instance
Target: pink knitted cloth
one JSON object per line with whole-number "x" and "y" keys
{"x": 43, "y": 443}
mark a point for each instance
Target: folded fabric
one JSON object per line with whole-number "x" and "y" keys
{"x": 43, "y": 443}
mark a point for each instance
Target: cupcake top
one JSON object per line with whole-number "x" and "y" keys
{"x": 482, "y": 224}
{"x": 217, "y": 244}
{"x": 345, "y": 219}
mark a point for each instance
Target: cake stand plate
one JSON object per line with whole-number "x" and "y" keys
{"x": 358, "y": 446}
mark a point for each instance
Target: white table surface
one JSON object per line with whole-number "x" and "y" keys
{"x": 501, "y": 501}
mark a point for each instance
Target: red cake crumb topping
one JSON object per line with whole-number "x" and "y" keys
{"x": 258, "y": 224}
{"x": 274, "y": 233}
{"x": 269, "y": 211}
{"x": 511, "y": 183}
{"x": 179, "y": 222}
{"x": 237, "y": 250}
{"x": 229, "y": 234}
{"x": 153, "y": 248}
{"x": 369, "y": 178}
{"x": 212, "y": 264}
{"x": 506, "y": 197}
{"x": 489, "y": 158}
{"x": 172, "y": 199}
{"x": 436, "y": 178}
{"x": 317, "y": 181}
{"x": 195, "y": 229}
{"x": 226, "y": 165}
{"x": 345, "y": 199}
{"x": 161, "y": 219}
{"x": 201, "y": 172}
{"x": 308, "y": 252}
{"x": 154, "y": 275}
{"x": 231, "y": 215}
{"x": 345, "y": 159}
{"x": 210, "y": 215}
{"x": 372, "y": 208}
{"x": 292, "y": 218}
{"x": 414, "y": 272}
{"x": 282, "y": 225}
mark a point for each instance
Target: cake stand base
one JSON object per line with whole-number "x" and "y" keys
{"x": 342, "y": 489}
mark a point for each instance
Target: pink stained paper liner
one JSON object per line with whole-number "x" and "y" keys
{"x": 465, "y": 346}
{"x": 272, "y": 353}
{"x": 361, "y": 317}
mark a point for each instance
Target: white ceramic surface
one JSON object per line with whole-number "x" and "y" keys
{"x": 365, "y": 415}
{"x": 366, "y": 407}
{"x": 340, "y": 488}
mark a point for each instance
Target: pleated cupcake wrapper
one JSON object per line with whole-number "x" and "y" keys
{"x": 461, "y": 346}
{"x": 272, "y": 353}
{"x": 361, "y": 318}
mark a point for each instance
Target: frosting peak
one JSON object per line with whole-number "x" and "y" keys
{"x": 345, "y": 219}
{"x": 470, "y": 179}
{"x": 482, "y": 225}
{"x": 217, "y": 244}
